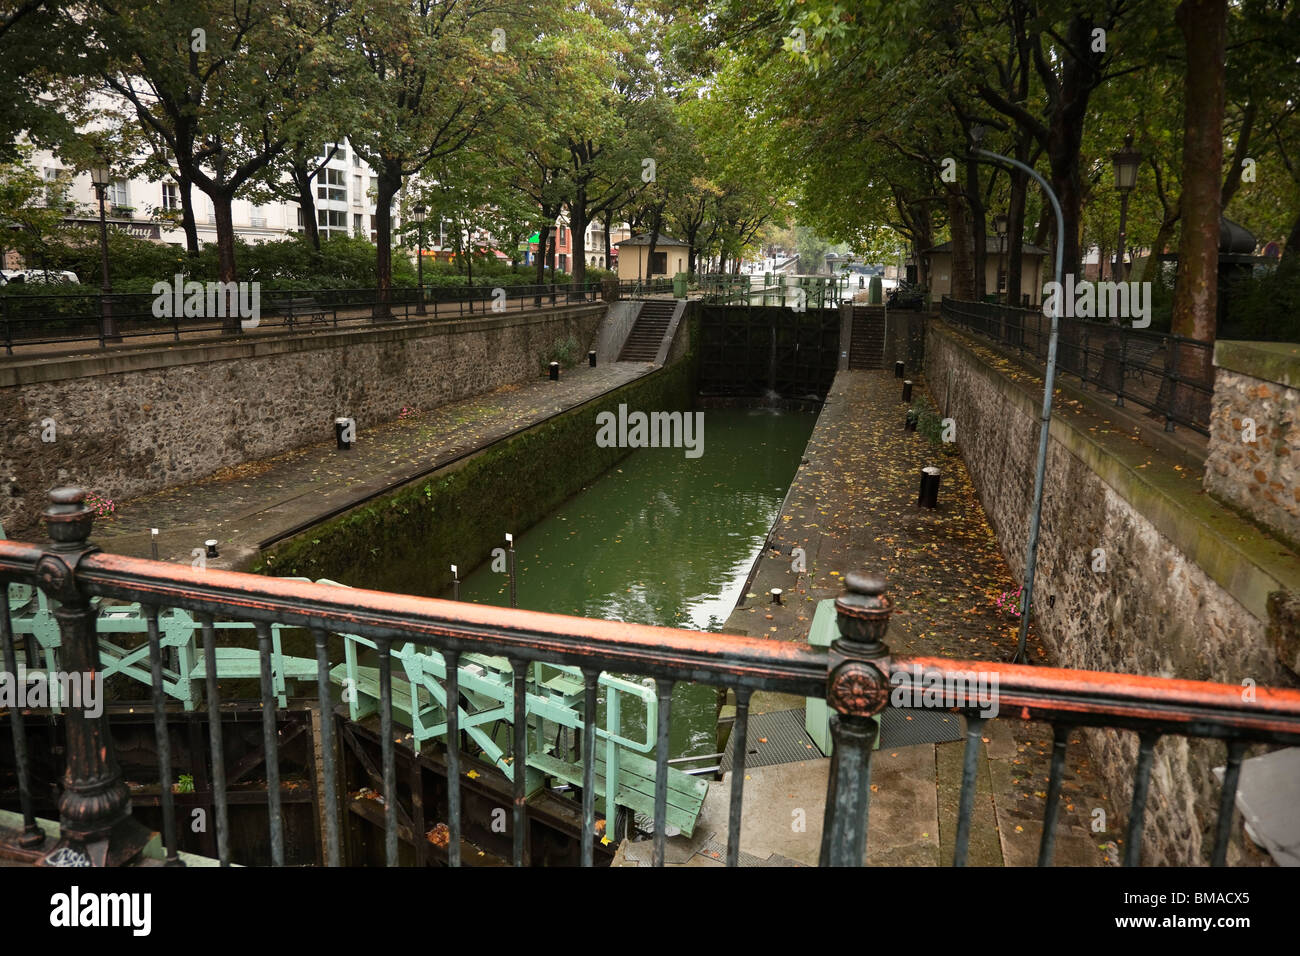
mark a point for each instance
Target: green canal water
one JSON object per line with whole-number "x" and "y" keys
{"x": 662, "y": 539}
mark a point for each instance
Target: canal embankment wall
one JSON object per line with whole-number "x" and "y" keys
{"x": 1138, "y": 570}
{"x": 131, "y": 421}
{"x": 460, "y": 513}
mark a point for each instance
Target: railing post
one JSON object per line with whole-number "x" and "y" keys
{"x": 857, "y": 687}
{"x": 95, "y": 822}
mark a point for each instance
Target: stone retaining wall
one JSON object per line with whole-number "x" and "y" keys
{"x": 1254, "y": 459}
{"x": 132, "y": 421}
{"x": 1185, "y": 590}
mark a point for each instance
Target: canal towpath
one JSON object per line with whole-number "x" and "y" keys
{"x": 853, "y": 506}
{"x": 260, "y": 502}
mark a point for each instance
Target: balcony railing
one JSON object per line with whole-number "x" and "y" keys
{"x": 856, "y": 676}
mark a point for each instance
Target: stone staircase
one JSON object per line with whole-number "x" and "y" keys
{"x": 867, "y": 345}
{"x": 647, "y": 334}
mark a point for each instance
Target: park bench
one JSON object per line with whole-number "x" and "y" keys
{"x": 298, "y": 307}
{"x": 1137, "y": 357}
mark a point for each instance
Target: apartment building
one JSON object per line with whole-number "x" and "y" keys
{"x": 344, "y": 198}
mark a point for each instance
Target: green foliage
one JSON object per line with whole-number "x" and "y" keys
{"x": 1265, "y": 308}
{"x": 344, "y": 262}
{"x": 565, "y": 351}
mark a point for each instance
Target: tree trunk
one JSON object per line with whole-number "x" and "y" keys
{"x": 301, "y": 176}
{"x": 654, "y": 238}
{"x": 543, "y": 236}
{"x": 1016, "y": 230}
{"x": 185, "y": 186}
{"x": 578, "y": 245}
{"x": 608, "y": 250}
{"x": 963, "y": 273}
{"x": 221, "y": 205}
{"x": 979, "y": 229}
{"x": 1203, "y": 23}
{"x": 1151, "y": 264}
{"x": 389, "y": 181}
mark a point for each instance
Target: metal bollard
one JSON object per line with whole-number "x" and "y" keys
{"x": 909, "y": 423}
{"x": 153, "y": 543}
{"x": 898, "y": 370}
{"x": 344, "y": 433}
{"x": 591, "y": 358}
{"x": 510, "y": 568}
{"x": 907, "y": 390}
{"x": 455, "y": 583}
{"x": 929, "y": 496}
{"x": 555, "y": 371}
{"x": 211, "y": 545}
{"x": 776, "y": 595}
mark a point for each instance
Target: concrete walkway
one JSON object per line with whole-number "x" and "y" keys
{"x": 262, "y": 501}
{"x": 852, "y": 506}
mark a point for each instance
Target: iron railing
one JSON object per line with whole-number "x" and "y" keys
{"x": 803, "y": 293}
{"x": 33, "y": 320}
{"x": 1171, "y": 376}
{"x": 635, "y": 288}
{"x": 856, "y": 676}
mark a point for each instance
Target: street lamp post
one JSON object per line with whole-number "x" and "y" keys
{"x": 1049, "y": 377}
{"x": 1000, "y": 225}
{"x": 1126, "y": 163}
{"x": 101, "y": 176}
{"x": 418, "y": 215}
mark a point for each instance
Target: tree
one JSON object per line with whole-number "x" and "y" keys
{"x": 426, "y": 75}
{"x": 1204, "y": 26}
{"x": 222, "y": 90}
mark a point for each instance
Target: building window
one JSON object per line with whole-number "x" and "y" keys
{"x": 358, "y": 192}
{"x": 118, "y": 194}
{"x": 356, "y": 160}
{"x": 564, "y": 262}
{"x": 659, "y": 263}
{"x": 171, "y": 197}
{"x": 56, "y": 184}
{"x": 331, "y": 221}
{"x": 258, "y": 218}
{"x": 356, "y": 223}
{"x": 563, "y": 233}
{"x": 331, "y": 186}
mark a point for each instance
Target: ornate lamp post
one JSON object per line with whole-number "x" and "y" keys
{"x": 1126, "y": 162}
{"x": 101, "y": 175}
{"x": 418, "y": 214}
{"x": 1000, "y": 224}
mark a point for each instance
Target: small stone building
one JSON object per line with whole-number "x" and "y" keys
{"x": 670, "y": 257}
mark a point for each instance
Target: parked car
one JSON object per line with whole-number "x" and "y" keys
{"x": 52, "y": 277}
{"x": 12, "y": 275}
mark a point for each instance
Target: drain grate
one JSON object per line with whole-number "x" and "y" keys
{"x": 909, "y": 726}
{"x": 779, "y": 737}
{"x": 774, "y": 738}
{"x": 716, "y": 849}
